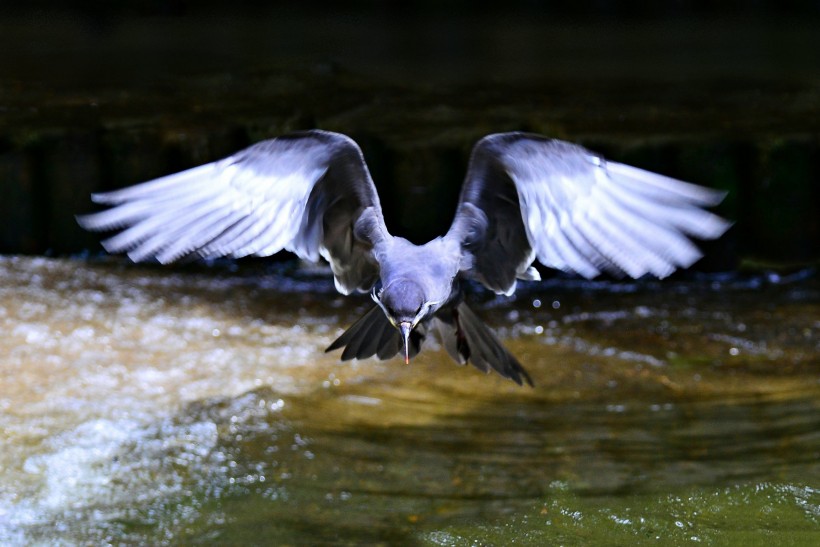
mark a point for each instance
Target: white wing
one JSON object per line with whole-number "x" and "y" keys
{"x": 302, "y": 192}
{"x": 528, "y": 197}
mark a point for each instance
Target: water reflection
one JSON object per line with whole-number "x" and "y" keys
{"x": 156, "y": 406}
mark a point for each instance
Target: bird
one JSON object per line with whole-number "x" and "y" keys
{"x": 525, "y": 197}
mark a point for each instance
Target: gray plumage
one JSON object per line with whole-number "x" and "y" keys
{"x": 525, "y": 197}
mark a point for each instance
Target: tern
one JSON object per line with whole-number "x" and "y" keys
{"x": 526, "y": 197}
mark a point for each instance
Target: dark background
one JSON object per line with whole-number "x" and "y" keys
{"x": 97, "y": 95}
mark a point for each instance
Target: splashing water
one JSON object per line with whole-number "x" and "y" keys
{"x": 161, "y": 406}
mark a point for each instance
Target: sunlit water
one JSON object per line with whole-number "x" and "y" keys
{"x": 165, "y": 406}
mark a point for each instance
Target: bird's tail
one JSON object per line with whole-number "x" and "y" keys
{"x": 467, "y": 339}
{"x": 373, "y": 335}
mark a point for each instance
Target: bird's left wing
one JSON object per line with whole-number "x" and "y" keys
{"x": 528, "y": 197}
{"x": 306, "y": 192}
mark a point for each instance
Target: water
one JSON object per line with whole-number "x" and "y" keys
{"x": 173, "y": 406}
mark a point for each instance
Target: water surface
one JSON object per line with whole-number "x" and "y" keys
{"x": 165, "y": 406}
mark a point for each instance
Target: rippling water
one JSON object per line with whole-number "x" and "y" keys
{"x": 165, "y": 406}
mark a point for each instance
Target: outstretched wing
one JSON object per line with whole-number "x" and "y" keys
{"x": 528, "y": 197}
{"x": 307, "y": 192}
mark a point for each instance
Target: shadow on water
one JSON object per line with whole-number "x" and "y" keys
{"x": 195, "y": 406}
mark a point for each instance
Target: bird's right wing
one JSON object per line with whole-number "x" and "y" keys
{"x": 528, "y": 197}
{"x": 309, "y": 193}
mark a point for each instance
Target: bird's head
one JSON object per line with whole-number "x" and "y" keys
{"x": 405, "y": 304}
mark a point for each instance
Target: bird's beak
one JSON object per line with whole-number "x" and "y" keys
{"x": 406, "y": 327}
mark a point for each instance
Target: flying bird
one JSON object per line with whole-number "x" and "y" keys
{"x": 525, "y": 197}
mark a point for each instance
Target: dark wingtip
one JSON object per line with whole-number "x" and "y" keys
{"x": 517, "y": 373}
{"x": 336, "y": 344}
{"x": 527, "y": 379}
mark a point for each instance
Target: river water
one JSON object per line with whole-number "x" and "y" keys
{"x": 149, "y": 405}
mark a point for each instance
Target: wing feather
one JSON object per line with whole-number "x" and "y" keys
{"x": 575, "y": 212}
{"x": 303, "y": 192}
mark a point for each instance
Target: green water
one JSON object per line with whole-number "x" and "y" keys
{"x": 509, "y": 471}
{"x": 160, "y": 406}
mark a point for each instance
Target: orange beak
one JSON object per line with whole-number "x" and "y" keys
{"x": 405, "y": 327}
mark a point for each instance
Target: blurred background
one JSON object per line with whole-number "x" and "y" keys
{"x": 96, "y": 95}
